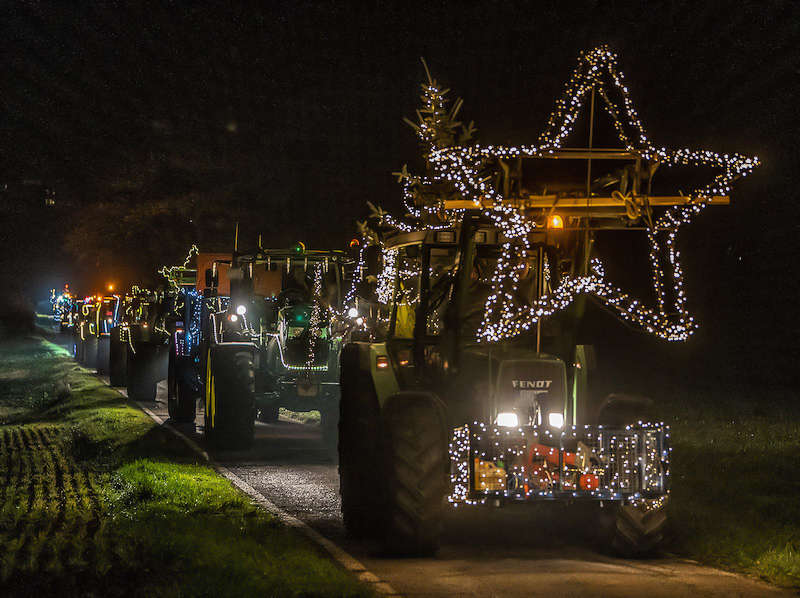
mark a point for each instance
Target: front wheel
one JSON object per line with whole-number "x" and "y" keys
{"x": 230, "y": 399}
{"x": 639, "y": 529}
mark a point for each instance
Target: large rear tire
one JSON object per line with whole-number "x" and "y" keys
{"x": 360, "y": 482}
{"x": 415, "y": 469}
{"x": 142, "y": 377}
{"x": 90, "y": 352}
{"x": 117, "y": 358}
{"x": 231, "y": 408}
{"x": 104, "y": 355}
{"x": 181, "y": 397}
{"x": 639, "y": 530}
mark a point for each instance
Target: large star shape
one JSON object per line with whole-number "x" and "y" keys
{"x": 461, "y": 166}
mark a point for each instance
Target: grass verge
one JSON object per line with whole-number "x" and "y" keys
{"x": 95, "y": 500}
{"x": 735, "y": 497}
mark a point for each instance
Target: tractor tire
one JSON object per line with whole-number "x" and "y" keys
{"x": 142, "y": 378}
{"x": 181, "y": 397}
{"x": 268, "y": 414}
{"x": 638, "y": 530}
{"x": 416, "y": 462}
{"x": 361, "y": 484}
{"x": 230, "y": 421}
{"x": 90, "y": 352}
{"x": 117, "y": 359}
{"x": 103, "y": 354}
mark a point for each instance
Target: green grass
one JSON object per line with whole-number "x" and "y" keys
{"x": 96, "y": 500}
{"x": 304, "y": 417}
{"x": 736, "y": 481}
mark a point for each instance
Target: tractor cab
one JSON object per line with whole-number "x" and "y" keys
{"x": 438, "y": 284}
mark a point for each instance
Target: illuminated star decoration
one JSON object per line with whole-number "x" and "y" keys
{"x": 463, "y": 167}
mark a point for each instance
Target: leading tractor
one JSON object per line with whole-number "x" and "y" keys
{"x": 480, "y": 393}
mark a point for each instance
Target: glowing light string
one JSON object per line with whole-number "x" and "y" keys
{"x": 463, "y": 167}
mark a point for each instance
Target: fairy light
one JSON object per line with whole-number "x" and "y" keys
{"x": 313, "y": 323}
{"x": 629, "y": 465}
{"x": 463, "y": 169}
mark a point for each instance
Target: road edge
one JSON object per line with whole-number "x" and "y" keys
{"x": 340, "y": 555}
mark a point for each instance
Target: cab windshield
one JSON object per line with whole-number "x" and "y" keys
{"x": 443, "y": 265}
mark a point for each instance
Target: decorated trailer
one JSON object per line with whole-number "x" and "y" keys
{"x": 480, "y": 391}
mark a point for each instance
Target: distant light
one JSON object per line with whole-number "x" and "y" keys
{"x": 241, "y": 310}
{"x": 556, "y": 221}
{"x": 233, "y": 317}
{"x": 110, "y": 287}
{"x": 360, "y": 321}
{"x": 352, "y": 312}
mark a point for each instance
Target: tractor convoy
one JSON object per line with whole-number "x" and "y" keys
{"x": 447, "y": 357}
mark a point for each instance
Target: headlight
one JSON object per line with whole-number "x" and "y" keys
{"x": 233, "y": 317}
{"x": 507, "y": 420}
{"x": 241, "y": 310}
{"x": 556, "y": 420}
{"x": 352, "y": 312}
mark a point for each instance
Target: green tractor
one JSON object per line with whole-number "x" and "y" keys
{"x": 480, "y": 392}
{"x": 273, "y": 342}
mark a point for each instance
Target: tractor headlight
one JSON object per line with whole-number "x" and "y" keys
{"x": 556, "y": 420}
{"x": 241, "y": 310}
{"x": 507, "y": 420}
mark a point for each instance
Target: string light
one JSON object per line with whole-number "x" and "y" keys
{"x": 463, "y": 170}
{"x": 531, "y": 463}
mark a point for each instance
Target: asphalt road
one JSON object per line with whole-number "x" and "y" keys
{"x": 486, "y": 552}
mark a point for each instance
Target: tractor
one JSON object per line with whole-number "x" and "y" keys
{"x": 270, "y": 330}
{"x": 480, "y": 391}
{"x": 95, "y": 316}
{"x": 139, "y": 344}
{"x": 62, "y": 308}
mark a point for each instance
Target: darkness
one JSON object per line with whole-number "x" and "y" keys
{"x": 153, "y": 125}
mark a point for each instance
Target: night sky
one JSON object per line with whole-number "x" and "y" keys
{"x": 156, "y": 124}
